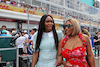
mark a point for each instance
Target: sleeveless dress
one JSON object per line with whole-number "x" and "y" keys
{"x": 47, "y": 49}
{"x": 76, "y": 56}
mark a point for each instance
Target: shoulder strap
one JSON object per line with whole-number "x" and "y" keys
{"x": 64, "y": 41}
{"x": 83, "y": 41}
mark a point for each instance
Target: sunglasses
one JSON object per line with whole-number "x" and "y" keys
{"x": 49, "y": 21}
{"x": 68, "y": 26}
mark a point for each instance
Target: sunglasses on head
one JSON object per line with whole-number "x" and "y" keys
{"x": 68, "y": 26}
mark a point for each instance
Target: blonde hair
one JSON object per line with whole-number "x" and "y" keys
{"x": 76, "y": 27}
{"x": 84, "y": 31}
{"x": 96, "y": 32}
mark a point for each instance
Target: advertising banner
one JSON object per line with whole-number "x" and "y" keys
{"x": 22, "y": 10}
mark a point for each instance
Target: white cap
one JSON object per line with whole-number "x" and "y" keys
{"x": 25, "y": 31}
{"x": 35, "y": 27}
{"x": 13, "y": 32}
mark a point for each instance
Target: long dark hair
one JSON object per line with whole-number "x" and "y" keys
{"x": 42, "y": 28}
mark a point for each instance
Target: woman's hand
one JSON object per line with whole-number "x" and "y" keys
{"x": 59, "y": 61}
{"x": 67, "y": 64}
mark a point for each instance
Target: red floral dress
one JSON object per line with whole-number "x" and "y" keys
{"x": 76, "y": 56}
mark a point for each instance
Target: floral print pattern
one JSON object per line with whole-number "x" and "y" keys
{"x": 77, "y": 56}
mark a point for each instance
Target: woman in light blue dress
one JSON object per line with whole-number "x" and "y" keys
{"x": 45, "y": 43}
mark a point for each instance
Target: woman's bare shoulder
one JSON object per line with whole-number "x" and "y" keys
{"x": 85, "y": 37}
{"x": 61, "y": 39}
{"x": 60, "y": 42}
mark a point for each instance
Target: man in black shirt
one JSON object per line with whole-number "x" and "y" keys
{"x": 96, "y": 42}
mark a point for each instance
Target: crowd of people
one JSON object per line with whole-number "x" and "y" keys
{"x": 21, "y": 40}
{"x": 17, "y": 4}
{"x": 24, "y": 5}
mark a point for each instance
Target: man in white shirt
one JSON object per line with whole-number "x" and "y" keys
{"x": 19, "y": 43}
{"x": 25, "y": 44}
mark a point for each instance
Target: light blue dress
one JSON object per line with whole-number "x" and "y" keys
{"x": 47, "y": 49}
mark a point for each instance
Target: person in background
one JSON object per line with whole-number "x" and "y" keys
{"x": 73, "y": 47}
{"x": 25, "y": 44}
{"x": 4, "y": 28}
{"x": 13, "y": 32}
{"x": 13, "y": 3}
{"x": 30, "y": 46}
{"x": 19, "y": 43}
{"x": 45, "y": 43}
{"x": 9, "y": 32}
{"x": 8, "y": 2}
{"x": 84, "y": 31}
{"x": 33, "y": 30}
{"x": 96, "y": 43}
{"x": 19, "y": 4}
{"x": 31, "y": 35}
{"x": 18, "y": 33}
{"x": 4, "y": 33}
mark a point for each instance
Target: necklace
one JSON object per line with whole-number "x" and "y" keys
{"x": 72, "y": 39}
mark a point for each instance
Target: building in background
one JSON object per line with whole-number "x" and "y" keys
{"x": 94, "y": 3}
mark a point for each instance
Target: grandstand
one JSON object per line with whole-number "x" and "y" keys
{"x": 61, "y": 10}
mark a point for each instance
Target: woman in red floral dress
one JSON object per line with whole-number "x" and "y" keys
{"x": 73, "y": 47}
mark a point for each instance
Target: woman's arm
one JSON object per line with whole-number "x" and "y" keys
{"x": 90, "y": 55}
{"x": 66, "y": 64}
{"x": 34, "y": 58}
{"x": 59, "y": 55}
